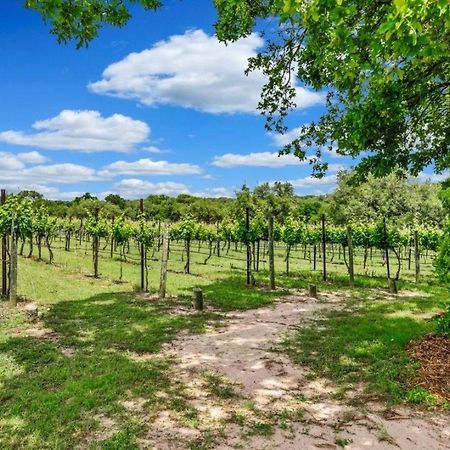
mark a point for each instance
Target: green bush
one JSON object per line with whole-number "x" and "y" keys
{"x": 443, "y": 323}
{"x": 442, "y": 261}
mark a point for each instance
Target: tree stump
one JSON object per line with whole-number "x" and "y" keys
{"x": 32, "y": 310}
{"x": 197, "y": 299}
{"x": 312, "y": 290}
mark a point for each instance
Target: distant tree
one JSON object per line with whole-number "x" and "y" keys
{"x": 86, "y": 196}
{"x": 394, "y": 197}
{"x": 31, "y": 195}
{"x": 117, "y": 200}
{"x": 206, "y": 210}
{"x": 309, "y": 209}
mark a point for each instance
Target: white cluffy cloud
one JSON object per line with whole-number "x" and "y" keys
{"x": 262, "y": 159}
{"x": 147, "y": 166}
{"x": 193, "y": 70}
{"x": 135, "y": 188}
{"x": 85, "y": 131}
{"x": 12, "y": 162}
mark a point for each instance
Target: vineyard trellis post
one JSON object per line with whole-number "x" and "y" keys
{"x": 95, "y": 245}
{"x": 324, "y": 248}
{"x": 112, "y": 238}
{"x": 417, "y": 255}
{"x": 4, "y": 253}
{"x": 351, "y": 270}
{"x": 164, "y": 259}
{"x": 13, "y": 262}
{"x": 386, "y": 248}
{"x": 249, "y": 250}
{"x": 271, "y": 255}
{"x": 141, "y": 208}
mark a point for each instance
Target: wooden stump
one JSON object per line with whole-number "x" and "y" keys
{"x": 197, "y": 299}
{"x": 393, "y": 286}
{"x": 312, "y": 290}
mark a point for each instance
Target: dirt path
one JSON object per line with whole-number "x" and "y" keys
{"x": 246, "y": 395}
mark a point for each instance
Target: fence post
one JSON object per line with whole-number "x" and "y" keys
{"x": 112, "y": 239}
{"x": 13, "y": 270}
{"x": 271, "y": 255}
{"x": 164, "y": 259}
{"x": 197, "y": 299}
{"x": 417, "y": 255}
{"x": 4, "y": 253}
{"x": 249, "y": 250}
{"x": 386, "y": 249}
{"x": 95, "y": 245}
{"x": 351, "y": 270}
{"x": 324, "y": 248}
{"x": 141, "y": 208}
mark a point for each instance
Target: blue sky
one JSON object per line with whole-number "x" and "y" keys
{"x": 158, "y": 106}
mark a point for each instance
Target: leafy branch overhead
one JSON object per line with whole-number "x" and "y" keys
{"x": 81, "y": 20}
{"x": 384, "y": 67}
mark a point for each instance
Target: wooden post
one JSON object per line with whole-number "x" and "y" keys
{"x": 112, "y": 239}
{"x": 4, "y": 253}
{"x": 13, "y": 269}
{"x": 417, "y": 255}
{"x": 351, "y": 271}
{"x": 271, "y": 256}
{"x": 312, "y": 290}
{"x": 95, "y": 246}
{"x": 141, "y": 208}
{"x": 249, "y": 251}
{"x": 164, "y": 259}
{"x": 258, "y": 244}
{"x": 386, "y": 248}
{"x": 324, "y": 248}
{"x": 197, "y": 299}
{"x": 187, "y": 266}
{"x": 218, "y": 240}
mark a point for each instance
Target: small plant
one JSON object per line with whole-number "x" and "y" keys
{"x": 443, "y": 323}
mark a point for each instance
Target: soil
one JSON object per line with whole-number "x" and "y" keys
{"x": 248, "y": 395}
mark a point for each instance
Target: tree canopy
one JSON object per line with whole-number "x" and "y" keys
{"x": 385, "y": 68}
{"x": 383, "y": 65}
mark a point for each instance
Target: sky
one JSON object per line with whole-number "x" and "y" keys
{"x": 156, "y": 107}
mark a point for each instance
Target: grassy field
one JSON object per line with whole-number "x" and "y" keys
{"x": 94, "y": 347}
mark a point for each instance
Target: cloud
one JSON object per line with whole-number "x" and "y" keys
{"x": 49, "y": 192}
{"x": 154, "y": 149}
{"x": 134, "y": 188}
{"x": 85, "y": 131}
{"x": 146, "y": 166}
{"x": 284, "y": 139}
{"x": 220, "y": 192}
{"x": 193, "y": 70}
{"x": 281, "y": 140}
{"x": 263, "y": 159}
{"x": 432, "y": 177}
{"x": 14, "y": 170}
{"x": 310, "y": 181}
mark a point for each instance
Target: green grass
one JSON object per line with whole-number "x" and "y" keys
{"x": 365, "y": 342}
{"x": 49, "y": 398}
{"x": 55, "y": 389}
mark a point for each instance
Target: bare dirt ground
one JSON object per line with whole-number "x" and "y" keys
{"x": 244, "y": 394}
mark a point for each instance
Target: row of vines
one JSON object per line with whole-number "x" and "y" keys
{"x": 33, "y": 229}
